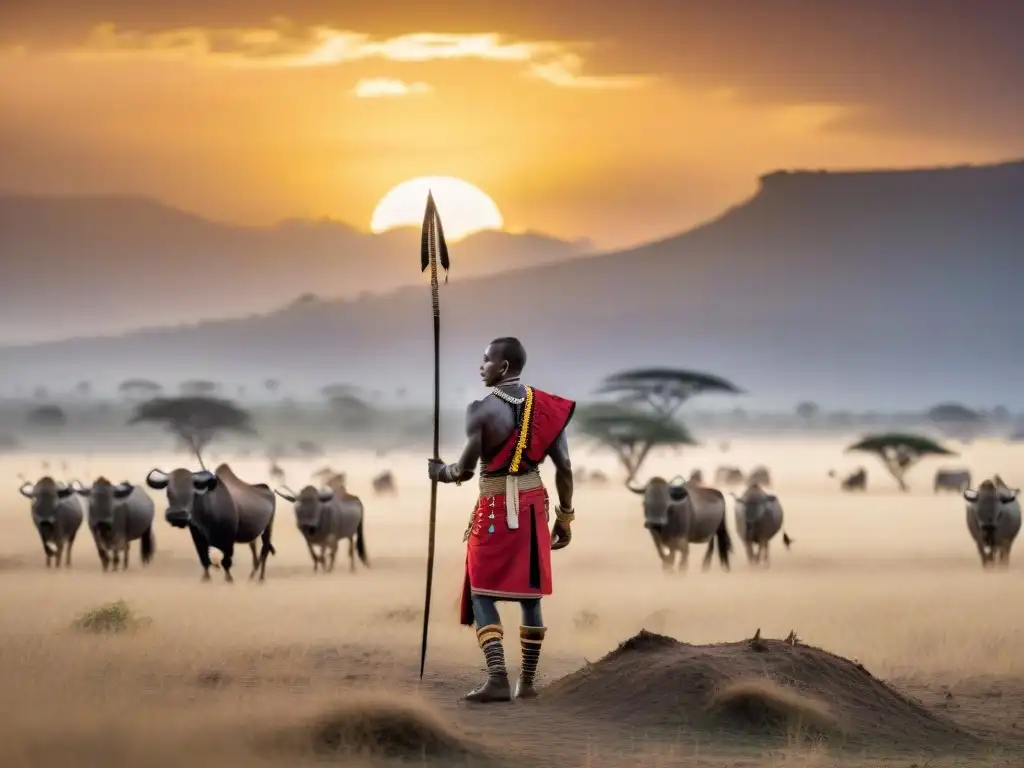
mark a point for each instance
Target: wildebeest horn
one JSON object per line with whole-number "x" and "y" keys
{"x": 157, "y": 479}
{"x": 971, "y": 495}
{"x": 77, "y": 487}
{"x": 26, "y": 490}
{"x": 326, "y": 494}
{"x": 634, "y": 489}
{"x": 285, "y": 493}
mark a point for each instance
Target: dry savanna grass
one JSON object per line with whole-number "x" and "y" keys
{"x": 151, "y": 667}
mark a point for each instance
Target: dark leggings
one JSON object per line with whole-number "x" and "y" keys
{"x": 485, "y": 611}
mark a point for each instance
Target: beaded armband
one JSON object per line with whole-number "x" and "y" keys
{"x": 564, "y": 517}
{"x": 450, "y": 476}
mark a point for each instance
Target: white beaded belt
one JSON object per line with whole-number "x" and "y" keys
{"x": 510, "y": 485}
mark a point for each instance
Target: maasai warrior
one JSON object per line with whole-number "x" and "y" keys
{"x": 508, "y": 552}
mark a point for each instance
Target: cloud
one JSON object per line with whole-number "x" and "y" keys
{"x": 382, "y": 87}
{"x": 285, "y": 45}
{"x": 564, "y": 72}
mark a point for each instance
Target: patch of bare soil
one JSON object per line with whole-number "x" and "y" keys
{"x": 758, "y": 688}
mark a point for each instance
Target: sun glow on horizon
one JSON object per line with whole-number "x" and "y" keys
{"x": 464, "y": 208}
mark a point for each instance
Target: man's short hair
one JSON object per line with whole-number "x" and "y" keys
{"x": 513, "y": 352}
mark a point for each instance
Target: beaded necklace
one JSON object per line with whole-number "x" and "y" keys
{"x": 515, "y": 402}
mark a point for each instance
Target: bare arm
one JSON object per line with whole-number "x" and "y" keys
{"x": 559, "y": 453}
{"x": 464, "y": 468}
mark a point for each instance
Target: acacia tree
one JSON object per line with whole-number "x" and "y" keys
{"x": 899, "y": 452}
{"x": 630, "y": 433}
{"x": 807, "y": 412}
{"x": 195, "y": 421}
{"x": 46, "y": 416}
{"x": 198, "y": 388}
{"x": 139, "y": 388}
{"x": 352, "y": 412}
{"x": 664, "y": 390}
{"x": 333, "y": 391}
{"x": 956, "y": 420}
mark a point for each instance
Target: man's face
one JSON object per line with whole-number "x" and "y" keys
{"x": 494, "y": 367}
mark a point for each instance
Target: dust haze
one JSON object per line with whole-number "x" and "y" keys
{"x": 303, "y": 665}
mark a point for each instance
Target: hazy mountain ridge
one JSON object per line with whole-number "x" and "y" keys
{"x": 115, "y": 262}
{"x": 854, "y": 288}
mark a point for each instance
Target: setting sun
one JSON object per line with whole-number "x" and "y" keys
{"x": 464, "y": 209}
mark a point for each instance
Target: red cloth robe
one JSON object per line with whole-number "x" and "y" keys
{"x": 507, "y": 563}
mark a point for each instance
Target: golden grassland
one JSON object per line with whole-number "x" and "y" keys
{"x": 304, "y": 667}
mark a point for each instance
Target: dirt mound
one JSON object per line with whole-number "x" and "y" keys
{"x": 386, "y": 726}
{"x": 758, "y": 688}
{"x": 763, "y": 703}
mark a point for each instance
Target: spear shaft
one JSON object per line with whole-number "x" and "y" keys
{"x": 433, "y": 247}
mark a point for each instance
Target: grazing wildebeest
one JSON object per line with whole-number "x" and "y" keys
{"x": 728, "y": 476}
{"x": 384, "y": 483}
{"x": 678, "y": 515}
{"x": 856, "y": 481}
{"x": 326, "y": 475}
{"x": 758, "y": 520}
{"x": 696, "y": 477}
{"x": 57, "y": 514}
{"x": 219, "y": 510}
{"x": 325, "y": 517}
{"x": 993, "y": 519}
{"x": 760, "y": 475}
{"x": 118, "y": 515}
{"x": 958, "y": 480}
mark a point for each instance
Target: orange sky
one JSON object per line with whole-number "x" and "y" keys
{"x": 620, "y": 125}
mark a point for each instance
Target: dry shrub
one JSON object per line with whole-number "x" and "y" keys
{"x": 404, "y": 615}
{"x": 762, "y": 702}
{"x": 391, "y": 726}
{"x": 110, "y": 618}
{"x": 586, "y": 620}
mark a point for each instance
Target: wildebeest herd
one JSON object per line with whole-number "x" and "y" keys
{"x": 684, "y": 512}
{"x": 220, "y": 511}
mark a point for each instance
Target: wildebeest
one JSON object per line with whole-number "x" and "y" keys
{"x": 57, "y": 514}
{"x": 384, "y": 483}
{"x": 325, "y": 475}
{"x": 118, "y": 515}
{"x": 760, "y": 475}
{"x": 993, "y": 519}
{"x": 855, "y": 481}
{"x": 326, "y": 516}
{"x": 678, "y": 515}
{"x": 696, "y": 476}
{"x": 728, "y": 476}
{"x": 219, "y": 510}
{"x": 758, "y": 520}
{"x": 958, "y": 480}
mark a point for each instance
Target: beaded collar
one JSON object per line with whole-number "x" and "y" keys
{"x": 503, "y": 395}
